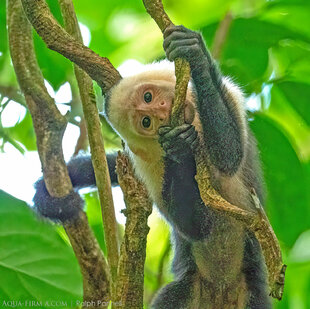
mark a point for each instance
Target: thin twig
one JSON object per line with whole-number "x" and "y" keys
{"x": 221, "y": 35}
{"x": 182, "y": 69}
{"x": 13, "y": 94}
{"x": 82, "y": 141}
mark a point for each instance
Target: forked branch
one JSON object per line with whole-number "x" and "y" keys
{"x": 49, "y": 126}
{"x": 96, "y": 143}
{"x": 129, "y": 284}
{"x": 253, "y": 221}
{"x": 56, "y": 38}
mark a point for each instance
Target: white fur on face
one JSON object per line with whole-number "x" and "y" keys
{"x": 121, "y": 110}
{"x": 145, "y": 152}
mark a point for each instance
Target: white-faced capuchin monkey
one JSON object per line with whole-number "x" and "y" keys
{"x": 217, "y": 263}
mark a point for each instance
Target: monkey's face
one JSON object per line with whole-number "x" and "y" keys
{"x": 139, "y": 105}
{"x": 151, "y": 103}
{"x": 139, "y": 109}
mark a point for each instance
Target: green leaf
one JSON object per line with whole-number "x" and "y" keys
{"x": 285, "y": 114}
{"x": 23, "y": 132}
{"x": 55, "y": 67}
{"x": 245, "y": 52}
{"x": 301, "y": 101}
{"x": 290, "y": 60}
{"x": 287, "y": 197}
{"x": 94, "y": 216}
{"x": 3, "y": 34}
{"x": 293, "y": 14}
{"x": 35, "y": 263}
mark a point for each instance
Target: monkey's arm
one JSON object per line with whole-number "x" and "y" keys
{"x": 184, "y": 207}
{"x": 222, "y": 129}
{"x": 82, "y": 175}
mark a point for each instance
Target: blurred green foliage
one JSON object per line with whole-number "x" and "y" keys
{"x": 266, "y": 51}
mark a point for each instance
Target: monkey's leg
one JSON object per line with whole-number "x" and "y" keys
{"x": 175, "y": 295}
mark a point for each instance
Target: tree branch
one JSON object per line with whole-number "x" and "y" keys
{"x": 99, "y": 160}
{"x": 56, "y": 38}
{"x": 100, "y": 69}
{"x": 49, "y": 126}
{"x": 182, "y": 69}
{"x": 132, "y": 257}
{"x": 82, "y": 141}
{"x": 13, "y": 94}
{"x": 253, "y": 221}
{"x": 94, "y": 268}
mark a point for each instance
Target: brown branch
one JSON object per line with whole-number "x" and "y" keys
{"x": 253, "y": 221}
{"x": 94, "y": 268}
{"x": 56, "y": 38}
{"x": 132, "y": 257}
{"x": 102, "y": 71}
{"x": 99, "y": 160}
{"x": 49, "y": 127}
{"x": 221, "y": 35}
{"x": 49, "y": 124}
{"x": 182, "y": 68}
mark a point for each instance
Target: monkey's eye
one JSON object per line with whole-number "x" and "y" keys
{"x": 146, "y": 122}
{"x": 147, "y": 97}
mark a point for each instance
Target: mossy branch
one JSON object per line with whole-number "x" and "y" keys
{"x": 99, "y": 160}
{"x": 56, "y": 38}
{"x": 182, "y": 69}
{"x": 49, "y": 127}
{"x": 253, "y": 221}
{"x": 129, "y": 289}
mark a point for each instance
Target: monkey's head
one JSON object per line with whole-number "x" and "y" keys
{"x": 138, "y": 105}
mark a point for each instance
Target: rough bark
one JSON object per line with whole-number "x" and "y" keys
{"x": 182, "y": 69}
{"x": 101, "y": 70}
{"x": 49, "y": 127}
{"x": 253, "y": 221}
{"x": 56, "y": 38}
{"x": 94, "y": 268}
{"x": 99, "y": 160}
{"x": 129, "y": 289}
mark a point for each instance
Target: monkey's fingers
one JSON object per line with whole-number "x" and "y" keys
{"x": 173, "y": 133}
{"x": 178, "y": 36}
{"x": 179, "y": 28}
{"x": 163, "y": 130}
{"x": 192, "y": 138}
{"x": 184, "y": 139}
{"x": 180, "y": 43}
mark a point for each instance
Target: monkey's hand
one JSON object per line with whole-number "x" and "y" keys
{"x": 180, "y": 42}
{"x": 179, "y": 142}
